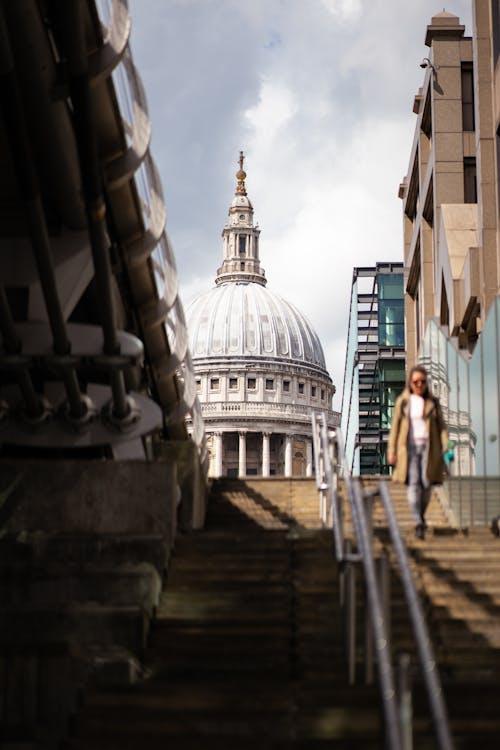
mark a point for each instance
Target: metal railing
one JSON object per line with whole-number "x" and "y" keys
{"x": 474, "y": 500}
{"x": 330, "y": 465}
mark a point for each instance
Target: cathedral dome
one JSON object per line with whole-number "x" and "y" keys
{"x": 259, "y": 366}
{"x": 247, "y": 320}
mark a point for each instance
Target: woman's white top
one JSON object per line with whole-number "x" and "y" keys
{"x": 418, "y": 430}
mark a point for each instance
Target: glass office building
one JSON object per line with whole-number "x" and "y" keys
{"x": 374, "y": 373}
{"x": 468, "y": 387}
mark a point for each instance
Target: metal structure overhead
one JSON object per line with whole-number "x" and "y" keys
{"x": 94, "y": 347}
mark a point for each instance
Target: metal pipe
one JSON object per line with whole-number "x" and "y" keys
{"x": 17, "y": 131}
{"x": 77, "y": 406}
{"x": 13, "y": 345}
{"x": 18, "y": 137}
{"x": 120, "y": 404}
{"x": 11, "y": 341}
{"x": 92, "y": 183}
{"x": 33, "y": 403}
{"x": 89, "y": 164}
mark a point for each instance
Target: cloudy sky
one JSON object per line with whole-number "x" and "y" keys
{"x": 319, "y": 95}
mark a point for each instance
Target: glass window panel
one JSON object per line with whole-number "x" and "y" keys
{"x": 490, "y": 379}
{"x": 450, "y": 407}
{"x": 390, "y": 286}
{"x": 464, "y": 450}
{"x": 392, "y": 382}
{"x": 476, "y": 408}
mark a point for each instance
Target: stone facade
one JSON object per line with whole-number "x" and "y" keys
{"x": 450, "y": 192}
{"x": 451, "y": 235}
{"x": 439, "y": 192}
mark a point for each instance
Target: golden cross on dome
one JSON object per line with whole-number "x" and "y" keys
{"x": 240, "y": 176}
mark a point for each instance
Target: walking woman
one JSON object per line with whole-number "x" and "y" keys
{"x": 417, "y": 442}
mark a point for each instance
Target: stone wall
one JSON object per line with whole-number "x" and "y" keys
{"x": 84, "y": 546}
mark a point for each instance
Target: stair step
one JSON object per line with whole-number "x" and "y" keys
{"x": 246, "y": 647}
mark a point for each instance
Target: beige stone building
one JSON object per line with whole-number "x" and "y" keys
{"x": 450, "y": 198}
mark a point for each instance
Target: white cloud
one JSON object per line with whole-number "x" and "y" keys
{"x": 318, "y": 94}
{"x": 268, "y": 118}
{"x": 345, "y": 213}
{"x": 344, "y": 9}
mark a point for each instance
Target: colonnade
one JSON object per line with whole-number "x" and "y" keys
{"x": 265, "y": 455}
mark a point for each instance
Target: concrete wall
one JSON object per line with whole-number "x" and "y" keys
{"x": 84, "y": 546}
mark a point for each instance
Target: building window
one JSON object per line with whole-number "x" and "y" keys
{"x": 242, "y": 246}
{"x": 269, "y": 384}
{"x": 286, "y": 386}
{"x": 251, "y": 384}
{"x": 198, "y": 385}
{"x": 391, "y": 321}
{"x": 233, "y": 384}
{"x": 322, "y": 394}
{"x": 470, "y": 181}
{"x": 313, "y": 391}
{"x": 301, "y": 388}
{"x": 496, "y": 29}
{"x": 214, "y": 384}
{"x": 467, "y": 97}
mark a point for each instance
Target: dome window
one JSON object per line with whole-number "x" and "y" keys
{"x": 322, "y": 394}
{"x": 233, "y": 384}
{"x": 286, "y": 386}
{"x": 251, "y": 384}
{"x": 198, "y": 385}
{"x": 301, "y": 388}
{"x": 214, "y": 384}
{"x": 269, "y": 384}
{"x": 313, "y": 391}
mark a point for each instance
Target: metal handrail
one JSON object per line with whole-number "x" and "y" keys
{"x": 331, "y": 489}
{"x": 326, "y": 481}
{"x": 385, "y": 672}
{"x": 377, "y": 620}
{"x": 424, "y": 646}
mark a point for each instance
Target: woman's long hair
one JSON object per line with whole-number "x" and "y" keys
{"x": 422, "y": 371}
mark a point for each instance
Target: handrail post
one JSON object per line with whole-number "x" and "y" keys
{"x": 384, "y": 666}
{"x": 369, "y": 655}
{"x": 405, "y": 702}
{"x": 422, "y": 640}
{"x": 350, "y": 620}
{"x": 384, "y": 585}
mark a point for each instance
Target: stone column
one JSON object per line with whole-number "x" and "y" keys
{"x": 309, "y": 458}
{"x": 288, "y": 455}
{"x": 265, "y": 454}
{"x": 242, "y": 455}
{"x": 218, "y": 453}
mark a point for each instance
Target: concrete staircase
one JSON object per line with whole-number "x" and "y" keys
{"x": 458, "y": 578}
{"x": 246, "y": 647}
